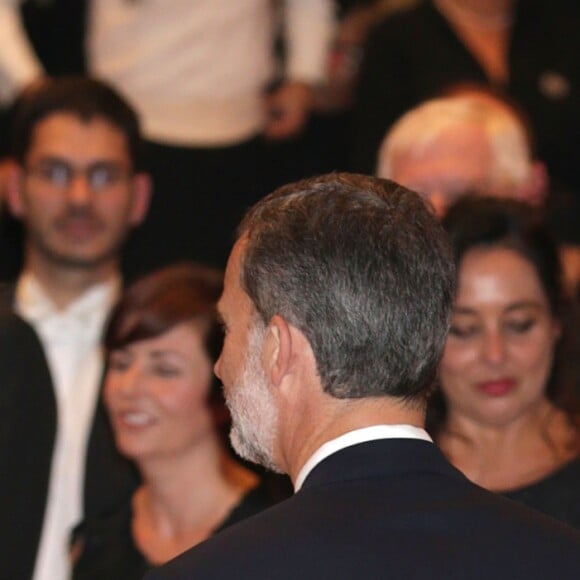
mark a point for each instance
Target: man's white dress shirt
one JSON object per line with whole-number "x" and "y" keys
{"x": 355, "y": 437}
{"x": 71, "y": 339}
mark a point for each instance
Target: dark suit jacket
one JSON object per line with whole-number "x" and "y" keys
{"x": 28, "y": 420}
{"x": 391, "y": 509}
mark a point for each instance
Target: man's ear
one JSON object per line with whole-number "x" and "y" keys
{"x": 142, "y": 188}
{"x": 13, "y": 175}
{"x": 277, "y": 351}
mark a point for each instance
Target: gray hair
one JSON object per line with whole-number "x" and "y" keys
{"x": 362, "y": 268}
{"x": 418, "y": 129}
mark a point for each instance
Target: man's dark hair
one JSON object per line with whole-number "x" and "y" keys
{"x": 80, "y": 96}
{"x": 364, "y": 270}
{"x": 478, "y": 221}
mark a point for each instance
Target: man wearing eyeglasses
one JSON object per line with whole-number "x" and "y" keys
{"x": 78, "y": 189}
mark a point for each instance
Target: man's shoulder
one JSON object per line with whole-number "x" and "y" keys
{"x": 20, "y": 345}
{"x": 14, "y": 330}
{"x": 419, "y": 526}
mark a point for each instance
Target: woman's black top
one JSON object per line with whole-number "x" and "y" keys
{"x": 109, "y": 551}
{"x": 557, "y": 495}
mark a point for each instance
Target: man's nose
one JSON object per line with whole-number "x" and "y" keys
{"x": 79, "y": 192}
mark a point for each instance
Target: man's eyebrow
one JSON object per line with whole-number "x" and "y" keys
{"x": 46, "y": 159}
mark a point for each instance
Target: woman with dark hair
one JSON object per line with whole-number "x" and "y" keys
{"x": 504, "y": 414}
{"x": 166, "y": 412}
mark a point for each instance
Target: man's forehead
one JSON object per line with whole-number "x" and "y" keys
{"x": 234, "y": 265}
{"x": 66, "y": 134}
{"x": 461, "y": 140}
{"x": 466, "y": 153}
{"x": 232, "y": 273}
{"x": 233, "y": 294}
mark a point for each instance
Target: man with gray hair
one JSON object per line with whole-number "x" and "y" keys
{"x": 471, "y": 142}
{"x": 336, "y": 305}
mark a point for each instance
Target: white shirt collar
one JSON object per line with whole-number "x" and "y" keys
{"x": 34, "y": 305}
{"x": 362, "y": 435}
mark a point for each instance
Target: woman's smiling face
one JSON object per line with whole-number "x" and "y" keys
{"x": 498, "y": 357}
{"x": 157, "y": 392}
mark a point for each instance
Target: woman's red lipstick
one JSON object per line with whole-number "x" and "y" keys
{"x": 497, "y": 388}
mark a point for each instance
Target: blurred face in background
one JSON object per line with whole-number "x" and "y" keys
{"x": 498, "y": 357}
{"x": 471, "y": 142}
{"x": 77, "y": 193}
{"x": 157, "y": 391}
{"x": 455, "y": 163}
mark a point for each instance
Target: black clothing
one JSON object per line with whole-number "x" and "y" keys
{"x": 56, "y": 30}
{"x": 28, "y": 423}
{"x": 392, "y": 508}
{"x": 557, "y": 495}
{"x": 199, "y": 197}
{"x": 416, "y": 54}
{"x": 27, "y": 436}
{"x": 108, "y": 549}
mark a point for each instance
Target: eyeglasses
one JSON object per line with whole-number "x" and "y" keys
{"x": 60, "y": 174}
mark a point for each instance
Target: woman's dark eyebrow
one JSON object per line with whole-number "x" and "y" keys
{"x": 162, "y": 353}
{"x": 525, "y": 304}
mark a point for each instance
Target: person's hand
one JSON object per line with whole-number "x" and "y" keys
{"x": 287, "y": 110}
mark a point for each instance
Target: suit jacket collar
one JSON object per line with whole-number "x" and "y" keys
{"x": 381, "y": 458}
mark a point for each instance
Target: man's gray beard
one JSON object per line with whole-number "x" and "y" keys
{"x": 253, "y": 410}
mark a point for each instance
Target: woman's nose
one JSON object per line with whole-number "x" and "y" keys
{"x": 125, "y": 382}
{"x": 494, "y": 348}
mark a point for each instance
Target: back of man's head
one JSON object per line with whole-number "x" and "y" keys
{"x": 363, "y": 269}
{"x": 472, "y": 142}
{"x": 82, "y": 97}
